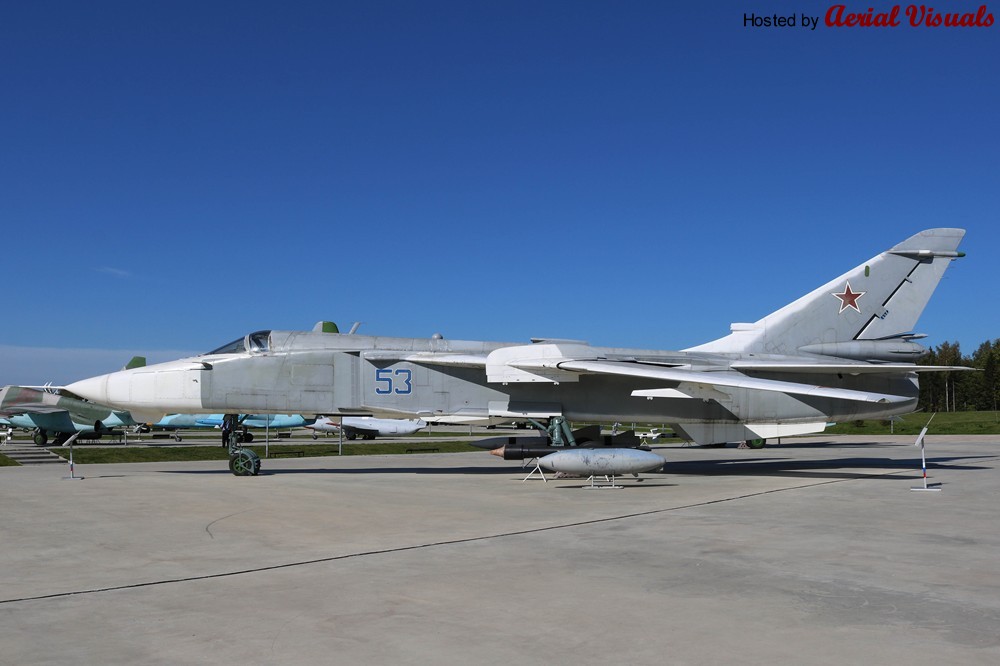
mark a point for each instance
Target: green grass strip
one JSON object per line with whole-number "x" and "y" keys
{"x": 945, "y": 423}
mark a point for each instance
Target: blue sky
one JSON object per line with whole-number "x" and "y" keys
{"x": 640, "y": 174}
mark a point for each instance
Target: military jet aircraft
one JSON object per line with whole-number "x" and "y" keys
{"x": 844, "y": 351}
{"x": 46, "y": 412}
{"x": 366, "y": 427}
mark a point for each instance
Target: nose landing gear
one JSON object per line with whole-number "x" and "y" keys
{"x": 242, "y": 462}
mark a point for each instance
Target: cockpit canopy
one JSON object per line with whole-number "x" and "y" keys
{"x": 255, "y": 343}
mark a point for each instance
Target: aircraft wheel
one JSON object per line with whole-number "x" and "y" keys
{"x": 369, "y": 436}
{"x": 315, "y": 436}
{"x": 177, "y": 438}
{"x": 756, "y": 443}
{"x": 351, "y": 436}
{"x": 245, "y": 463}
{"x": 41, "y": 438}
{"x": 248, "y": 437}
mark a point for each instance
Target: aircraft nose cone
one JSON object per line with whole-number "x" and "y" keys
{"x": 94, "y": 389}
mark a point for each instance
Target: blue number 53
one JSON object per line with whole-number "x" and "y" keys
{"x": 393, "y": 381}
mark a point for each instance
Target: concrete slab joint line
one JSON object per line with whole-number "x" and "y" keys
{"x": 388, "y": 559}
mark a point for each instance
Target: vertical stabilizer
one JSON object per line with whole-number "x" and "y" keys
{"x": 882, "y": 298}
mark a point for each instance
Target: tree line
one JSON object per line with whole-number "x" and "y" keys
{"x": 961, "y": 391}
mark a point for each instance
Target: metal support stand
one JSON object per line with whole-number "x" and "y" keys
{"x": 538, "y": 469}
{"x": 72, "y": 476}
{"x": 609, "y": 479}
{"x": 923, "y": 459}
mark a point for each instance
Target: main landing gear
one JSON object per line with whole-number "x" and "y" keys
{"x": 558, "y": 431}
{"x": 242, "y": 462}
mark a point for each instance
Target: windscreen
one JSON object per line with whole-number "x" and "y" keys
{"x": 234, "y": 347}
{"x": 256, "y": 342}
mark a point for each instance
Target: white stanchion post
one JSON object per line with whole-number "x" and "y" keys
{"x": 923, "y": 458}
{"x": 72, "y": 476}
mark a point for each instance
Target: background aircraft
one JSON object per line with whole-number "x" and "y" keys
{"x": 844, "y": 351}
{"x": 176, "y": 422}
{"x": 276, "y": 421}
{"x": 49, "y": 413}
{"x": 366, "y": 427}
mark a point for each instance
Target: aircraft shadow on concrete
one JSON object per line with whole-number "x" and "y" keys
{"x": 833, "y": 468}
{"x": 774, "y": 448}
{"x": 840, "y": 445}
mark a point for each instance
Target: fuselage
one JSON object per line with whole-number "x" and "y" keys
{"x": 326, "y": 373}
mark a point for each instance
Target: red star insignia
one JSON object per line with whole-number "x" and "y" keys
{"x": 849, "y": 299}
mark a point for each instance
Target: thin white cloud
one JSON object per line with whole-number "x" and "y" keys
{"x": 116, "y": 272}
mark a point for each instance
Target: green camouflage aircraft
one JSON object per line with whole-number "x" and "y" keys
{"x": 46, "y": 412}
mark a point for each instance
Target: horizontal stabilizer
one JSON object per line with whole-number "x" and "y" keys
{"x": 722, "y": 379}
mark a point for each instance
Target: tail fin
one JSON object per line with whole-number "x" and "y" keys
{"x": 879, "y": 300}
